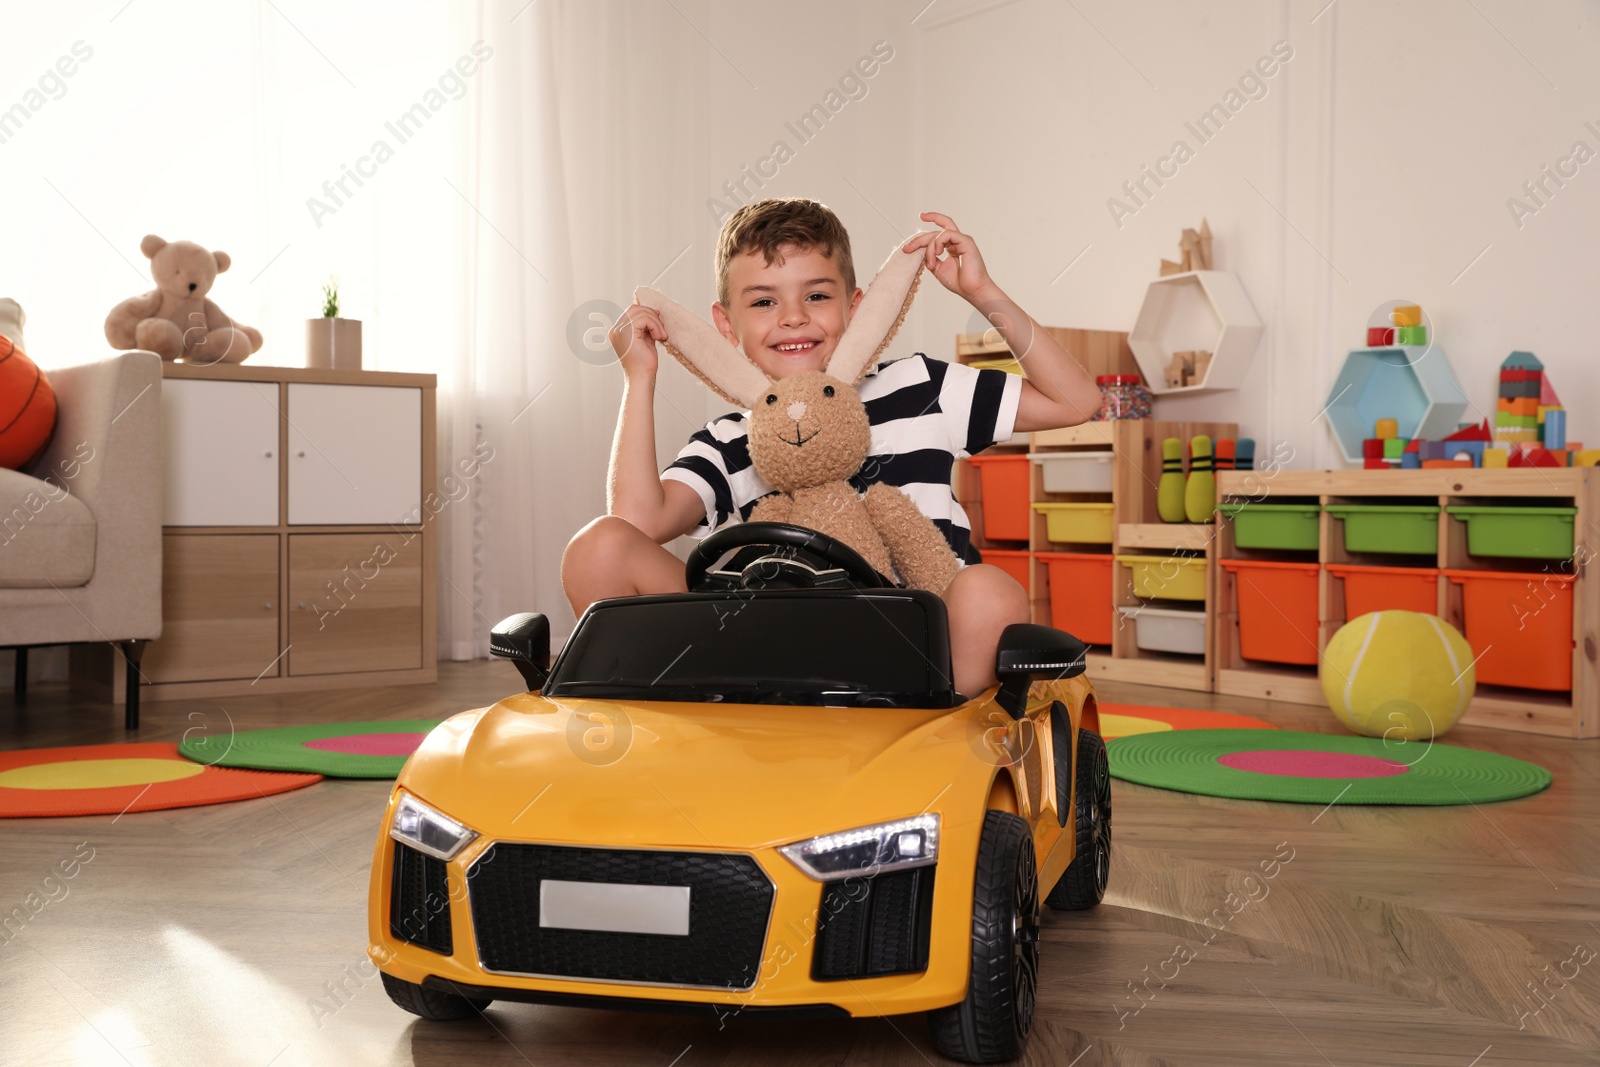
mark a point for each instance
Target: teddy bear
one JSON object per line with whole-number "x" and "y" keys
{"x": 176, "y": 320}
{"x": 809, "y": 433}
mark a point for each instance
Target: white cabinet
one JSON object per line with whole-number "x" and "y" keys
{"x": 355, "y": 454}
{"x": 221, "y": 441}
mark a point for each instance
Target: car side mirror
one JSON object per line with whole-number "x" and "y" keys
{"x": 1029, "y": 653}
{"x": 524, "y": 639}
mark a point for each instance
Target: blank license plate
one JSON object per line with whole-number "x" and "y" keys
{"x": 626, "y": 909}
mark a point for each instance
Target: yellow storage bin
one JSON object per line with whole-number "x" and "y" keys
{"x": 1081, "y": 524}
{"x": 1167, "y": 577}
{"x": 1008, "y": 364}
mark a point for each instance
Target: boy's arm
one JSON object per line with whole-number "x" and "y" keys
{"x": 661, "y": 508}
{"x": 1058, "y": 392}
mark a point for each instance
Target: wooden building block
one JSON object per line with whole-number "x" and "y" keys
{"x": 1393, "y": 447}
{"x": 1437, "y": 464}
{"x": 1380, "y": 336}
{"x": 1373, "y": 448}
{"x": 1411, "y": 335}
{"x": 1410, "y": 315}
{"x": 1169, "y": 267}
{"x": 1379, "y": 464}
{"x": 1495, "y": 457}
{"x": 1589, "y": 457}
{"x": 1202, "y": 364}
{"x": 1386, "y": 429}
{"x": 1205, "y": 246}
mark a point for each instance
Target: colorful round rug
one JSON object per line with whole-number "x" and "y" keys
{"x": 1320, "y": 768}
{"x": 335, "y": 749}
{"x": 1126, "y": 720}
{"x": 113, "y": 779}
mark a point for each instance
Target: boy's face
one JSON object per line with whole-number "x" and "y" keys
{"x": 787, "y": 316}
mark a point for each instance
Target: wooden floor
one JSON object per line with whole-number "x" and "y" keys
{"x": 1460, "y": 936}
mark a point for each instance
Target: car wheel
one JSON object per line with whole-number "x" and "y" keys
{"x": 991, "y": 1024}
{"x": 1084, "y": 883}
{"x": 431, "y": 1003}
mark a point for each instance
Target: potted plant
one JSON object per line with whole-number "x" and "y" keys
{"x": 332, "y": 342}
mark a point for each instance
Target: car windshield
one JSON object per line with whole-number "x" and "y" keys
{"x": 882, "y": 649}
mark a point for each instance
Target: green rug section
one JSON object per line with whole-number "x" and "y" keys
{"x": 334, "y": 749}
{"x": 1303, "y": 768}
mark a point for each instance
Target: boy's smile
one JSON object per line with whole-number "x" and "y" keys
{"x": 787, "y": 316}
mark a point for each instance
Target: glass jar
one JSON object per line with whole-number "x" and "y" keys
{"x": 1122, "y": 396}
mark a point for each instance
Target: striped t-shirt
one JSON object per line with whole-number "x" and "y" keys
{"x": 925, "y": 414}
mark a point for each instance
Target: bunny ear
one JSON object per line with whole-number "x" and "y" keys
{"x": 705, "y": 352}
{"x": 878, "y": 317}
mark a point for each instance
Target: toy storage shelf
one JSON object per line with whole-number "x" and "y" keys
{"x": 1436, "y": 576}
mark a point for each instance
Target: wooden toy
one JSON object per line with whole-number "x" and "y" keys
{"x": 1244, "y": 454}
{"x": 1200, "y": 492}
{"x": 1387, "y": 428}
{"x": 1202, "y": 363}
{"x": 1393, "y": 447}
{"x": 1589, "y": 457}
{"x": 1411, "y": 335}
{"x": 1194, "y": 251}
{"x": 1495, "y": 457}
{"x": 1555, "y": 428}
{"x": 1380, "y": 336}
{"x": 1169, "y": 267}
{"x": 1410, "y": 460}
{"x": 1169, "y": 491}
{"x": 1372, "y": 448}
{"x": 1410, "y": 315}
{"x": 1374, "y": 464}
{"x": 1434, "y": 464}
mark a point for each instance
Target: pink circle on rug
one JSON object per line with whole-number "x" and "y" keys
{"x": 1310, "y": 763}
{"x": 369, "y": 744}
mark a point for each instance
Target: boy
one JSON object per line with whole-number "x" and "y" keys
{"x": 786, "y": 288}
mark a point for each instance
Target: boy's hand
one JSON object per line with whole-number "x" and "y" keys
{"x": 634, "y": 337}
{"x": 961, "y": 270}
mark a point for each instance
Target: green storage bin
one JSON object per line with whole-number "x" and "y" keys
{"x": 1407, "y": 529}
{"x": 1527, "y": 532}
{"x": 1293, "y": 526}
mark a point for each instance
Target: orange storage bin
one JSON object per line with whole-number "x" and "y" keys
{"x": 1519, "y": 625}
{"x": 1277, "y": 610}
{"x": 1368, "y": 589}
{"x": 1014, "y": 561}
{"x": 1080, "y": 594}
{"x": 1005, "y": 495}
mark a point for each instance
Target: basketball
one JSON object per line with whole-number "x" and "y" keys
{"x": 27, "y": 407}
{"x": 1398, "y": 674}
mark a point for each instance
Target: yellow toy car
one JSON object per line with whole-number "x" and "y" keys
{"x": 758, "y": 797}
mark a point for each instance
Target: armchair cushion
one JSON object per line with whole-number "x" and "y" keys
{"x": 46, "y": 534}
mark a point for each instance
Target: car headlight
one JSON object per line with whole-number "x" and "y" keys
{"x": 427, "y": 830}
{"x": 889, "y": 846}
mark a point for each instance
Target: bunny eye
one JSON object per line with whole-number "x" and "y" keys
{"x": 772, "y": 398}
{"x": 827, "y": 390}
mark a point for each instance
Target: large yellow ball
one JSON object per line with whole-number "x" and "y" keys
{"x": 1398, "y": 674}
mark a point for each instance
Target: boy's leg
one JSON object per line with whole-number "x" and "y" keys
{"x": 982, "y": 601}
{"x": 612, "y": 557}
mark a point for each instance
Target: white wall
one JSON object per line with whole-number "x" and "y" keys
{"x": 1377, "y": 165}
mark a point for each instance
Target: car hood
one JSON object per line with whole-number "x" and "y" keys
{"x": 661, "y": 774}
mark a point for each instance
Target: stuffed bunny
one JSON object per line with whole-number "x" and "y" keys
{"x": 809, "y": 433}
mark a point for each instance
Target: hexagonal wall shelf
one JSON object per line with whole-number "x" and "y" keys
{"x": 1199, "y": 310}
{"x": 1412, "y": 384}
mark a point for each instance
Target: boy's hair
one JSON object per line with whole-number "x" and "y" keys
{"x": 767, "y": 225}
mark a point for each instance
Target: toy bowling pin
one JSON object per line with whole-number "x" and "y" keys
{"x": 1169, "y": 492}
{"x": 1200, "y": 493}
{"x": 1223, "y": 459}
{"x": 1244, "y": 454}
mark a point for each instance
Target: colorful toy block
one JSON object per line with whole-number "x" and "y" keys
{"x": 1555, "y": 428}
{"x": 1411, "y": 335}
{"x": 1387, "y": 428}
{"x": 1372, "y": 448}
{"x": 1411, "y": 315}
{"x": 1410, "y": 461}
{"x": 1393, "y": 447}
{"x": 1371, "y": 464}
{"x": 1472, "y": 451}
{"x": 1589, "y": 457}
{"x": 1495, "y": 457}
{"x": 1380, "y": 336}
{"x": 1522, "y": 407}
{"x": 1434, "y": 464}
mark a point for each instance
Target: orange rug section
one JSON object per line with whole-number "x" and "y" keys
{"x": 115, "y": 779}
{"x": 1128, "y": 720}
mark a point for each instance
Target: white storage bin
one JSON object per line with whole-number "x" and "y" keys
{"x": 1074, "y": 472}
{"x": 1168, "y": 629}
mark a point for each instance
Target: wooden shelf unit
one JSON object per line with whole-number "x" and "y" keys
{"x": 1562, "y": 714}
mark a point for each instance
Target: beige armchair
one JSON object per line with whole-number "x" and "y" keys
{"x": 80, "y": 528}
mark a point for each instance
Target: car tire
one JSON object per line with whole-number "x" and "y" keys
{"x": 991, "y": 1025}
{"x": 431, "y": 1003}
{"x": 1084, "y": 883}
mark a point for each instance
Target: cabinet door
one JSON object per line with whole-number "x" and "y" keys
{"x": 219, "y": 609}
{"x": 355, "y": 602}
{"x": 221, "y": 441}
{"x": 355, "y": 455}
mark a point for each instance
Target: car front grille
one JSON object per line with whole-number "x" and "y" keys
{"x": 730, "y": 906}
{"x": 419, "y": 900}
{"x": 874, "y": 926}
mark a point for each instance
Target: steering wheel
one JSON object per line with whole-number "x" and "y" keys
{"x": 741, "y": 534}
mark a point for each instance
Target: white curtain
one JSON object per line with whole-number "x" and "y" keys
{"x": 473, "y": 174}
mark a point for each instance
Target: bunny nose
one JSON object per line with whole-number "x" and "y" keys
{"x": 797, "y": 410}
